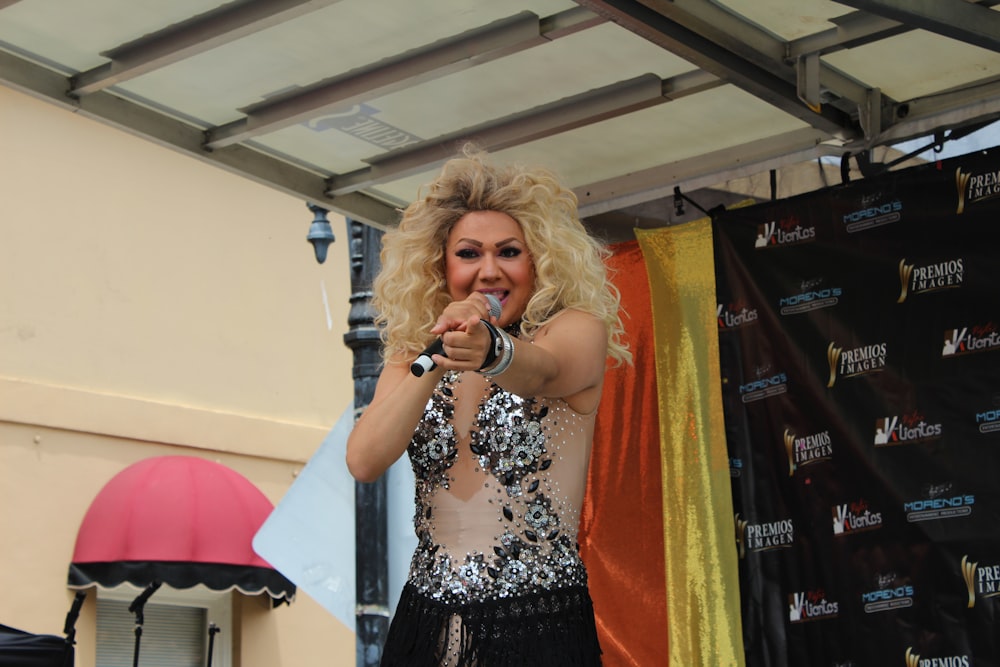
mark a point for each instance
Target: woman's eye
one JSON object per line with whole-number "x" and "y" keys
{"x": 510, "y": 252}
{"x": 466, "y": 253}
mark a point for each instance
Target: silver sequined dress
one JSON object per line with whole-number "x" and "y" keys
{"x": 517, "y": 531}
{"x": 497, "y": 513}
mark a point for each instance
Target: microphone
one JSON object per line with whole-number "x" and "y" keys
{"x": 424, "y": 363}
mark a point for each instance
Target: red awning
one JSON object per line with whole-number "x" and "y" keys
{"x": 179, "y": 520}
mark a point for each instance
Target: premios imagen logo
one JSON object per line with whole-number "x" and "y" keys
{"x": 805, "y": 449}
{"x": 975, "y": 187}
{"x": 855, "y": 361}
{"x": 981, "y": 581}
{"x": 752, "y": 537}
{"x": 914, "y": 660}
{"x": 922, "y": 278}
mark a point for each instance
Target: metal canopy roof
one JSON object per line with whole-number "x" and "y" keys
{"x": 353, "y": 104}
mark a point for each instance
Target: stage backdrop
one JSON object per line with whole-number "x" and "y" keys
{"x": 860, "y": 375}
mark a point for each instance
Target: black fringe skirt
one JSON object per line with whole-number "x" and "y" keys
{"x": 552, "y": 628}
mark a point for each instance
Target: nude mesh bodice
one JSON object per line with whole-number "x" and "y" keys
{"x": 498, "y": 507}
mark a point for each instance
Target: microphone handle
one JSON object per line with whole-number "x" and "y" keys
{"x": 423, "y": 362}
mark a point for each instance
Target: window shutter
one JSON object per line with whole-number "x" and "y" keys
{"x": 172, "y": 636}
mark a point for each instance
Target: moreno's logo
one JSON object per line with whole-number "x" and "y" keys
{"x": 787, "y": 231}
{"x": 988, "y": 421}
{"x": 767, "y": 384}
{"x": 809, "y": 298}
{"x": 873, "y": 213}
{"x": 735, "y": 467}
{"x": 888, "y": 596}
{"x": 940, "y": 502}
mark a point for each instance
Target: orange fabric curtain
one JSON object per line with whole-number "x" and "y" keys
{"x": 621, "y": 534}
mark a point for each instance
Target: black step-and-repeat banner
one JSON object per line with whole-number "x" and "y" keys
{"x": 859, "y": 332}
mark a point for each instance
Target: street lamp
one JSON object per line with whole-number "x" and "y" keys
{"x": 320, "y": 233}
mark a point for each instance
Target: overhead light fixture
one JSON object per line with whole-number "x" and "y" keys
{"x": 320, "y": 233}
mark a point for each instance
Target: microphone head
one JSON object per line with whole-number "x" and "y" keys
{"x": 495, "y": 307}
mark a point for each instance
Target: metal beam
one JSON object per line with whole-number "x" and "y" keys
{"x": 849, "y": 31}
{"x": 141, "y": 121}
{"x": 974, "y": 103}
{"x": 189, "y": 38}
{"x": 543, "y": 121}
{"x": 519, "y": 32}
{"x": 701, "y": 171}
{"x": 853, "y": 30}
{"x": 758, "y": 47}
{"x": 703, "y": 52}
{"x": 958, "y": 19}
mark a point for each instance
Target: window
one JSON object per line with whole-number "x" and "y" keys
{"x": 175, "y": 631}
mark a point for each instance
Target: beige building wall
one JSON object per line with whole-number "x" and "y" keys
{"x": 151, "y": 304}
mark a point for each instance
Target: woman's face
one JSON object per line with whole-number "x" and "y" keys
{"x": 486, "y": 252}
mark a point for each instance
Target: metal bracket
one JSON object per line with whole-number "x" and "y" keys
{"x": 807, "y": 80}
{"x": 870, "y": 113}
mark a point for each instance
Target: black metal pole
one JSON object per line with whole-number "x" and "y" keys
{"x": 370, "y": 515}
{"x": 138, "y": 607}
{"x": 212, "y": 630}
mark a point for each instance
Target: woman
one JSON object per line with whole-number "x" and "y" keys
{"x": 499, "y": 432}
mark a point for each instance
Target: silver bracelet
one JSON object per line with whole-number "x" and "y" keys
{"x": 504, "y": 359}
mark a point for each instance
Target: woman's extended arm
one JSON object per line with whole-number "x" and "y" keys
{"x": 566, "y": 359}
{"x": 385, "y": 428}
{"x": 383, "y": 432}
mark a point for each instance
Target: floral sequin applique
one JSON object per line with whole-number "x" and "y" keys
{"x": 509, "y": 440}
{"x": 433, "y": 450}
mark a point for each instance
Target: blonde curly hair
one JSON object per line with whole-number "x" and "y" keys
{"x": 410, "y": 290}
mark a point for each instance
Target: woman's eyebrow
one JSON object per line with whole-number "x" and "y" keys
{"x": 479, "y": 244}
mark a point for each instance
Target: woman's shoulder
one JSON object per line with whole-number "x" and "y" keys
{"x": 573, "y": 322}
{"x": 571, "y": 316}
